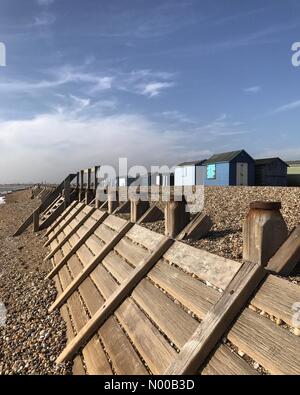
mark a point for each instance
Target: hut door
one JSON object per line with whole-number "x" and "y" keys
{"x": 242, "y": 174}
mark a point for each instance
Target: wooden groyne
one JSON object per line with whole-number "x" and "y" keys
{"x": 139, "y": 302}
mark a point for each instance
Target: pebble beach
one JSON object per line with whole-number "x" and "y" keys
{"x": 30, "y": 338}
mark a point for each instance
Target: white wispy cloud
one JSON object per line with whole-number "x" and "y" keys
{"x": 139, "y": 81}
{"x": 253, "y": 89}
{"x": 287, "y": 107}
{"x": 155, "y": 88}
{"x": 177, "y": 116}
{"x": 44, "y": 19}
{"x": 223, "y": 126}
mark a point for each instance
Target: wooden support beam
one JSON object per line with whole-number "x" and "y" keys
{"x": 218, "y": 320}
{"x": 104, "y": 205}
{"x": 93, "y": 203}
{"x": 123, "y": 208}
{"x": 70, "y": 234}
{"x": 114, "y": 301}
{"x": 43, "y": 206}
{"x": 95, "y": 181}
{"x": 89, "y": 268}
{"x": 153, "y": 214}
{"x": 81, "y": 179}
{"x": 288, "y": 255}
{"x": 53, "y": 216}
{"x": 62, "y": 217}
{"x": 197, "y": 228}
{"x": 67, "y": 192}
{"x": 76, "y": 246}
{"x": 88, "y": 196}
{"x": 89, "y": 173}
{"x": 55, "y": 201}
{"x": 36, "y": 220}
{"x": 48, "y": 242}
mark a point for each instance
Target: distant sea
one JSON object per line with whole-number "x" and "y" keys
{"x": 6, "y": 188}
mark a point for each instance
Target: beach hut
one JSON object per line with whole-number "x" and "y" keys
{"x": 230, "y": 168}
{"x": 293, "y": 173}
{"x": 271, "y": 172}
{"x": 189, "y": 173}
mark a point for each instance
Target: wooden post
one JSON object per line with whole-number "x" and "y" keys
{"x": 88, "y": 185}
{"x": 77, "y": 181}
{"x": 113, "y": 200}
{"x": 176, "y": 217}
{"x": 264, "y": 232}
{"x": 137, "y": 209}
{"x": 88, "y": 193}
{"x": 96, "y": 168}
{"x": 81, "y": 185}
{"x": 67, "y": 190}
{"x": 36, "y": 220}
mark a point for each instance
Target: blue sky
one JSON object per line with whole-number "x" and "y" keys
{"x": 159, "y": 82}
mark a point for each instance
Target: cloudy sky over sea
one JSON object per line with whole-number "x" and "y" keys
{"x": 157, "y": 81}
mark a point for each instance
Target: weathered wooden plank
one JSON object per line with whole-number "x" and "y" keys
{"x": 104, "y": 281}
{"x": 76, "y": 225}
{"x": 81, "y": 232}
{"x": 209, "y": 267}
{"x": 131, "y": 252}
{"x": 105, "y": 233}
{"x": 52, "y": 217}
{"x": 114, "y": 301}
{"x": 226, "y": 362}
{"x": 273, "y": 347}
{"x": 189, "y": 291}
{"x": 97, "y": 214}
{"x": 85, "y": 255}
{"x": 78, "y": 368}
{"x": 114, "y": 222}
{"x": 145, "y": 237}
{"x": 276, "y": 297}
{"x": 68, "y": 212}
{"x": 168, "y": 316}
{"x": 288, "y": 255}
{"x": 217, "y": 320}
{"x": 153, "y": 347}
{"x": 117, "y": 266}
{"x": 89, "y": 268}
{"x": 123, "y": 356}
{"x": 94, "y": 356}
{"x": 95, "y": 244}
{"x": 78, "y": 248}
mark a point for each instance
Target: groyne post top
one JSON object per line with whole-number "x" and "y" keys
{"x": 264, "y": 232}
